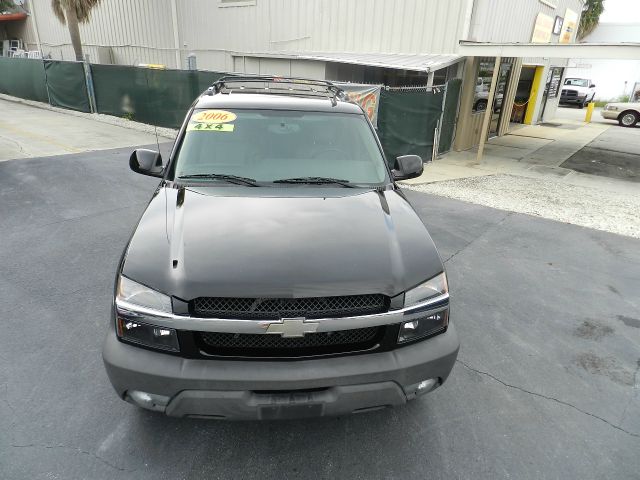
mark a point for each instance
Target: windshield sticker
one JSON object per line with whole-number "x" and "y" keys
{"x": 214, "y": 116}
{"x": 210, "y": 127}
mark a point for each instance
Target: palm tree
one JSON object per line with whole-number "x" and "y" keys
{"x": 73, "y": 12}
{"x": 590, "y": 17}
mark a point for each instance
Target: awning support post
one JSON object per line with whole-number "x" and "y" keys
{"x": 429, "y": 80}
{"x": 489, "y": 111}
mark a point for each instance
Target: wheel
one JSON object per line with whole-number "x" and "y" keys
{"x": 481, "y": 105}
{"x": 628, "y": 118}
{"x": 581, "y": 105}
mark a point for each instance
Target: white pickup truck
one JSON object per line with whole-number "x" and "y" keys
{"x": 577, "y": 91}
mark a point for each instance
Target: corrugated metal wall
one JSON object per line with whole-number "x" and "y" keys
{"x": 513, "y": 20}
{"x": 141, "y": 31}
{"x": 138, "y": 31}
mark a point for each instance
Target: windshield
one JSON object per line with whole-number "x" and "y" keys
{"x": 577, "y": 82}
{"x": 271, "y": 145}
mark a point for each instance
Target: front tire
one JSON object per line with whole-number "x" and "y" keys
{"x": 481, "y": 105}
{"x": 628, "y": 119}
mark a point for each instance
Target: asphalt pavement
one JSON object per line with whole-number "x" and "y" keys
{"x": 546, "y": 385}
{"x": 615, "y": 154}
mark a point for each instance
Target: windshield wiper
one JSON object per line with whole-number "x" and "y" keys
{"x": 315, "y": 180}
{"x": 221, "y": 176}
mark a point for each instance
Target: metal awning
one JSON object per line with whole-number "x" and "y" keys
{"x": 7, "y": 17}
{"x": 617, "y": 51}
{"x": 414, "y": 62}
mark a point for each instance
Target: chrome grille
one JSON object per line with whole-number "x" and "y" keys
{"x": 276, "y": 308}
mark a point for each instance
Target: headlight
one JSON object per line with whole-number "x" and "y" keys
{"x": 149, "y": 335}
{"x": 128, "y": 326}
{"x": 430, "y": 289}
{"x": 610, "y": 107}
{"x": 432, "y": 323}
{"x": 424, "y": 327}
{"x": 137, "y": 294}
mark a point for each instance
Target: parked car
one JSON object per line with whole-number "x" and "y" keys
{"x": 278, "y": 271}
{"x": 626, "y": 113}
{"x": 480, "y": 102}
{"x": 577, "y": 91}
{"x": 481, "y": 97}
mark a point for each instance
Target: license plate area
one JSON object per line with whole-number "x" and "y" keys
{"x": 293, "y": 404}
{"x": 279, "y": 412}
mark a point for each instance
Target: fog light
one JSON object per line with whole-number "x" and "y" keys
{"x": 150, "y": 401}
{"x": 421, "y": 388}
{"x": 149, "y": 335}
{"x": 423, "y": 327}
{"x": 426, "y": 385}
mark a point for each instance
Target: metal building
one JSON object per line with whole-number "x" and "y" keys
{"x": 391, "y": 42}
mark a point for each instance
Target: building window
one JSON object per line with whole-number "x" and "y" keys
{"x": 483, "y": 83}
{"x": 236, "y": 3}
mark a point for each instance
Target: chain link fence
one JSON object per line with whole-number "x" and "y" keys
{"x": 410, "y": 120}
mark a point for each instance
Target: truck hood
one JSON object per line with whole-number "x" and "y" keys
{"x": 279, "y": 242}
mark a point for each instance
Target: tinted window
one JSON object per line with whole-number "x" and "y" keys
{"x": 269, "y": 145}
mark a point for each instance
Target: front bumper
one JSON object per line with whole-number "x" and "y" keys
{"x": 610, "y": 114}
{"x": 572, "y": 100}
{"x": 252, "y": 389}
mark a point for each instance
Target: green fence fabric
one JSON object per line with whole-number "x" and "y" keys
{"x": 156, "y": 97}
{"x": 24, "y": 78}
{"x": 406, "y": 122}
{"x": 406, "y": 119}
{"x": 67, "y": 85}
{"x": 449, "y": 115}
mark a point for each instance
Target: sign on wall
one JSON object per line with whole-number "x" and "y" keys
{"x": 553, "y": 81}
{"x": 557, "y": 25}
{"x": 542, "y": 29}
{"x": 569, "y": 26}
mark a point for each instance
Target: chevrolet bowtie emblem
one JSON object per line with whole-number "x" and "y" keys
{"x": 291, "y": 327}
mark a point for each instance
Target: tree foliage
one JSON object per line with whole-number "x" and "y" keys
{"x": 82, "y": 9}
{"x": 6, "y": 5}
{"x": 72, "y": 13}
{"x": 590, "y": 17}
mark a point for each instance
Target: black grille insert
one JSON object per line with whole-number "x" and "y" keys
{"x": 271, "y": 345}
{"x": 277, "y": 308}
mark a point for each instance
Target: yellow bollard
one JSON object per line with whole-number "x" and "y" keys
{"x": 590, "y": 107}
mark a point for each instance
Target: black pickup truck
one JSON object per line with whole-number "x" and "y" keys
{"x": 278, "y": 270}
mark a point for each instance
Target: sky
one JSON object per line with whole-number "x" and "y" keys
{"x": 626, "y": 11}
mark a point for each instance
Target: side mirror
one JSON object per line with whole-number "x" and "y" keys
{"x": 146, "y": 162}
{"x": 592, "y": 86}
{"x": 409, "y": 166}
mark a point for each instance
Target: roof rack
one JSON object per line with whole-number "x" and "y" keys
{"x": 275, "y": 85}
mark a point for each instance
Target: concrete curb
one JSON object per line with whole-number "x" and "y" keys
{"x": 168, "y": 133}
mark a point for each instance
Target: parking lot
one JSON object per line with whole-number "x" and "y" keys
{"x": 546, "y": 385}
{"x": 614, "y": 154}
